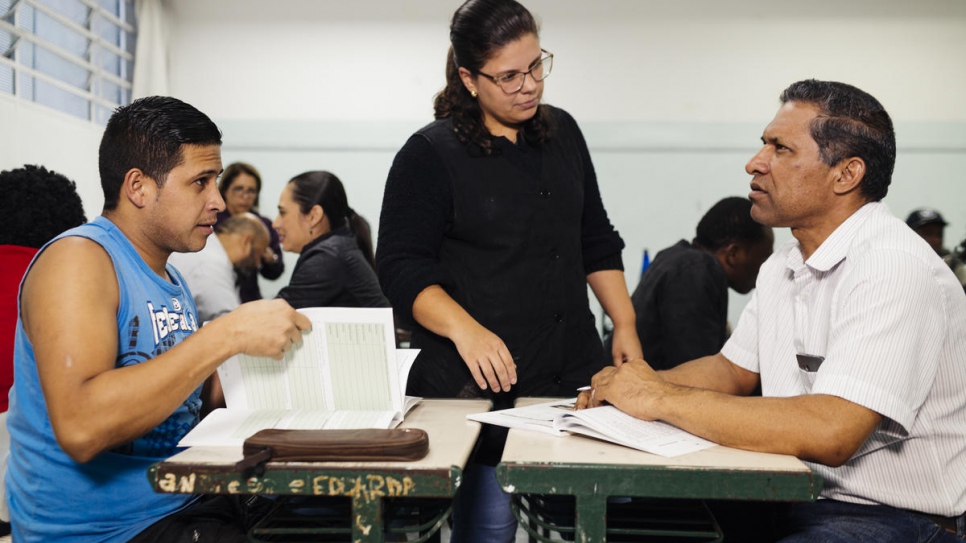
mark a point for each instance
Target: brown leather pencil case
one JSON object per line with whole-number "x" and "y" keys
{"x": 366, "y": 445}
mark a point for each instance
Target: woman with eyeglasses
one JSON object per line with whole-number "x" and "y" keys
{"x": 492, "y": 226}
{"x": 239, "y": 186}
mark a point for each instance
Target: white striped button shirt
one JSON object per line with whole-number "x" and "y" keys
{"x": 889, "y": 317}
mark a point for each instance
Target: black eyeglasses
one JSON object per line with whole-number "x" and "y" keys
{"x": 243, "y": 191}
{"x": 512, "y": 83}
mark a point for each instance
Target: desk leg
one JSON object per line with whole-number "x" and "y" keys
{"x": 367, "y": 519}
{"x": 590, "y": 524}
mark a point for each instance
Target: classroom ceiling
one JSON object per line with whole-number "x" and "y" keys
{"x": 251, "y": 11}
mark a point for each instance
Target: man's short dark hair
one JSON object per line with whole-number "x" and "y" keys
{"x": 149, "y": 134}
{"x": 37, "y": 205}
{"x": 728, "y": 221}
{"x": 850, "y": 123}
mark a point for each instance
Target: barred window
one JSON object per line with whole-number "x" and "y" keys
{"x": 76, "y": 56}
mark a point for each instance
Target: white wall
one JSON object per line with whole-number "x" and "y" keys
{"x": 615, "y": 59}
{"x": 672, "y": 96}
{"x": 33, "y": 134}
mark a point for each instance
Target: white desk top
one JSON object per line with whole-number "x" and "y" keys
{"x": 529, "y": 447}
{"x": 451, "y": 439}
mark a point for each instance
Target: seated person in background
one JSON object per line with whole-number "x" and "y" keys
{"x": 930, "y": 225}
{"x": 956, "y": 260}
{"x": 240, "y": 186}
{"x": 109, "y": 355}
{"x": 210, "y": 273}
{"x": 682, "y": 299}
{"x": 211, "y": 276}
{"x": 37, "y": 205}
{"x": 315, "y": 220}
{"x": 856, "y": 332}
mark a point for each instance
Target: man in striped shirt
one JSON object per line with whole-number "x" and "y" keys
{"x": 856, "y": 334}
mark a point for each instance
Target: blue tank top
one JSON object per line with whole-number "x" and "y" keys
{"x": 109, "y": 499}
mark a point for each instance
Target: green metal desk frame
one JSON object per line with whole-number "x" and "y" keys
{"x": 592, "y": 484}
{"x": 366, "y": 488}
{"x": 204, "y": 470}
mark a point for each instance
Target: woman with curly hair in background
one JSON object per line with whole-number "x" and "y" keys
{"x": 37, "y": 205}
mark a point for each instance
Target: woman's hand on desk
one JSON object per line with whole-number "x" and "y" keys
{"x": 487, "y": 357}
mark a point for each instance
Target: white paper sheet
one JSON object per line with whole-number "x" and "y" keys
{"x": 606, "y": 423}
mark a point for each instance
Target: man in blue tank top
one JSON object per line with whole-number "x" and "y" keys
{"x": 109, "y": 358}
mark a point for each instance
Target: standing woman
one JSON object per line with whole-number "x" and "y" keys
{"x": 335, "y": 266}
{"x": 240, "y": 186}
{"x": 492, "y": 226}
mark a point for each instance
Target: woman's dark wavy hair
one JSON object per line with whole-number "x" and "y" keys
{"x": 322, "y": 188}
{"x": 478, "y": 30}
{"x": 850, "y": 123}
{"x": 37, "y": 205}
{"x": 234, "y": 170}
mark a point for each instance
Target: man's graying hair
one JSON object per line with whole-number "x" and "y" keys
{"x": 246, "y": 223}
{"x": 850, "y": 123}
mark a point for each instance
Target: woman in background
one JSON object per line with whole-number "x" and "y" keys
{"x": 334, "y": 266}
{"x": 492, "y": 226}
{"x": 240, "y": 186}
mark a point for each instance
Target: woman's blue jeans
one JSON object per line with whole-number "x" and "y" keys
{"x": 481, "y": 510}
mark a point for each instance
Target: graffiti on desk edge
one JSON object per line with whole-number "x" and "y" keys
{"x": 172, "y": 483}
{"x": 367, "y": 487}
{"x": 363, "y": 528}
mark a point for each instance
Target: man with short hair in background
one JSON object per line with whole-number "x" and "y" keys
{"x": 930, "y": 225}
{"x": 210, "y": 272}
{"x": 682, "y": 300}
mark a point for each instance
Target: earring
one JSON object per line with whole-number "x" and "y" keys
{"x": 473, "y": 93}
{"x": 310, "y": 231}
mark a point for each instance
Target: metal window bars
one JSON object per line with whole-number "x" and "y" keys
{"x": 106, "y": 63}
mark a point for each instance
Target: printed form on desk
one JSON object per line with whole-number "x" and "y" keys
{"x": 606, "y": 423}
{"x": 345, "y": 374}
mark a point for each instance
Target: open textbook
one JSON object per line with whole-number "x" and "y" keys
{"x": 606, "y": 423}
{"x": 346, "y": 373}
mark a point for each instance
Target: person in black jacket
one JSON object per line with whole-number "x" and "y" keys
{"x": 492, "y": 227}
{"x": 682, "y": 300}
{"x": 315, "y": 220}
